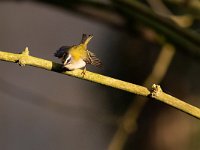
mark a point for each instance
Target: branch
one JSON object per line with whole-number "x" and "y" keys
{"x": 156, "y": 93}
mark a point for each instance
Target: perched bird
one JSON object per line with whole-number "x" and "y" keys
{"x": 77, "y": 56}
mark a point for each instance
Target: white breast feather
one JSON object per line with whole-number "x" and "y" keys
{"x": 76, "y": 65}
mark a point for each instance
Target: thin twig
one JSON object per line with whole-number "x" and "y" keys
{"x": 25, "y": 59}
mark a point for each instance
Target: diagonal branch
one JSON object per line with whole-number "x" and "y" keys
{"x": 156, "y": 93}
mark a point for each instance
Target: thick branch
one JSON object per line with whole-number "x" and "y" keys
{"x": 25, "y": 59}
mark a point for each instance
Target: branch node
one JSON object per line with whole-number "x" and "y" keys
{"x": 25, "y": 51}
{"x": 23, "y": 57}
{"x": 155, "y": 90}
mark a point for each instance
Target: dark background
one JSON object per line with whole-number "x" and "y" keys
{"x": 46, "y": 110}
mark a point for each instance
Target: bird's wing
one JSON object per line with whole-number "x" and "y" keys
{"x": 62, "y": 51}
{"x": 92, "y": 59}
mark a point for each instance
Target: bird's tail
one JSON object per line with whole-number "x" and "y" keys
{"x": 86, "y": 39}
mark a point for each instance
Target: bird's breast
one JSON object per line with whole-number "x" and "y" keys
{"x": 75, "y": 65}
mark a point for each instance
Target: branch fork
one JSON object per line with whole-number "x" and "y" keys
{"x": 23, "y": 57}
{"x": 155, "y": 91}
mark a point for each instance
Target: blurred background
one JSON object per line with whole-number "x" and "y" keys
{"x": 142, "y": 42}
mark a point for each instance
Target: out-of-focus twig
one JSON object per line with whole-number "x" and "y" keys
{"x": 128, "y": 123}
{"x": 187, "y": 40}
{"x": 159, "y": 8}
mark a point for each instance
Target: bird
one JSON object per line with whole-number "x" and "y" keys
{"x": 78, "y": 56}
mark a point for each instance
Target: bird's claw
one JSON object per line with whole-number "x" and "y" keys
{"x": 83, "y": 72}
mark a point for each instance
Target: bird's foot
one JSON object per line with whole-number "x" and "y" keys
{"x": 83, "y": 72}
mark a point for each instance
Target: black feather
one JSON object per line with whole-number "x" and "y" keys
{"x": 62, "y": 51}
{"x": 84, "y": 38}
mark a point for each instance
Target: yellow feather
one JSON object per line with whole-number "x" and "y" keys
{"x": 78, "y": 52}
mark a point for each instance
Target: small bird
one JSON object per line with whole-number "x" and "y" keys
{"x": 77, "y": 56}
